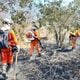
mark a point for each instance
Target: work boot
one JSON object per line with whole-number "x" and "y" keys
{"x": 4, "y": 66}
{"x": 31, "y": 58}
{"x": 8, "y": 67}
{"x": 73, "y": 48}
{"x": 39, "y": 55}
{"x": 43, "y": 53}
{"x": 4, "y": 74}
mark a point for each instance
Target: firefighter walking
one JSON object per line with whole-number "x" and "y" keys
{"x": 7, "y": 52}
{"x": 34, "y": 37}
{"x": 74, "y": 34}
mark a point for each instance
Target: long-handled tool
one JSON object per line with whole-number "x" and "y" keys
{"x": 15, "y": 67}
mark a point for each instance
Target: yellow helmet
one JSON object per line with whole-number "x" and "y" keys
{"x": 73, "y": 32}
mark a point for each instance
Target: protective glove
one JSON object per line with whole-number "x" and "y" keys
{"x": 16, "y": 48}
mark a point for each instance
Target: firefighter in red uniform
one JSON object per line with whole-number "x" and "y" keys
{"x": 34, "y": 42}
{"x": 7, "y": 53}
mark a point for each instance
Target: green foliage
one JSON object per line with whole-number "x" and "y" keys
{"x": 77, "y": 2}
{"x": 2, "y": 7}
{"x": 54, "y": 12}
{"x": 19, "y": 17}
{"x": 58, "y": 17}
{"x": 23, "y": 3}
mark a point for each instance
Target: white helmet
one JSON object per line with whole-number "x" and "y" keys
{"x": 5, "y": 27}
{"x": 8, "y": 20}
{"x": 33, "y": 28}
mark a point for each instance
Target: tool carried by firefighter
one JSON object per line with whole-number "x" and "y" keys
{"x": 15, "y": 64}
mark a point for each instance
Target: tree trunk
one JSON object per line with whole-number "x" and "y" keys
{"x": 62, "y": 39}
{"x": 59, "y": 38}
{"x": 56, "y": 37}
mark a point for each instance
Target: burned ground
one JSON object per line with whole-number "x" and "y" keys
{"x": 55, "y": 64}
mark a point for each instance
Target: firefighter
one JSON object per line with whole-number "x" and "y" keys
{"x": 35, "y": 37}
{"x": 7, "y": 52}
{"x": 73, "y": 38}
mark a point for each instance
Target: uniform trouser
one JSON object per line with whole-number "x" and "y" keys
{"x": 73, "y": 42}
{"x": 34, "y": 45}
{"x": 7, "y": 58}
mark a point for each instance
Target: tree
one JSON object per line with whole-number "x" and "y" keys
{"x": 19, "y": 17}
{"x": 77, "y": 4}
{"x": 58, "y": 18}
{"x": 16, "y": 10}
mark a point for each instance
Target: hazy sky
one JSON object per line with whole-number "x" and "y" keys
{"x": 65, "y": 2}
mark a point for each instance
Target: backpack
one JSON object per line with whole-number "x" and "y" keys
{"x": 4, "y": 39}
